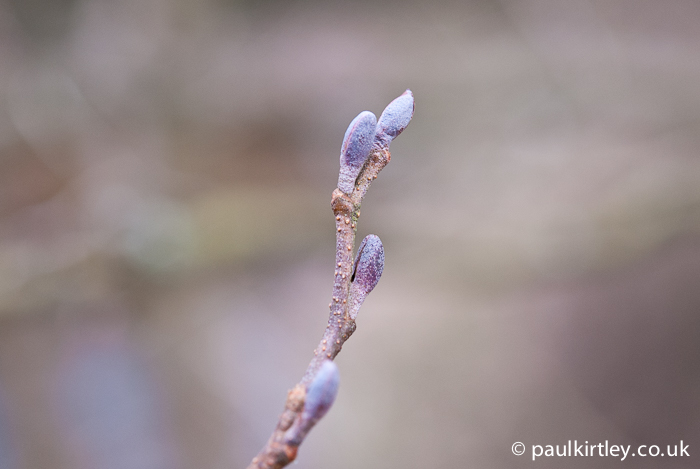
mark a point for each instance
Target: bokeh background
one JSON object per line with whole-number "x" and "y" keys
{"x": 166, "y": 240}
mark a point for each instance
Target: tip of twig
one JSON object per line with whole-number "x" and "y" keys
{"x": 395, "y": 118}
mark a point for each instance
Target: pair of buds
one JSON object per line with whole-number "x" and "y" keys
{"x": 366, "y": 132}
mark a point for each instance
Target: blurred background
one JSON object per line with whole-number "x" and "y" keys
{"x": 167, "y": 244}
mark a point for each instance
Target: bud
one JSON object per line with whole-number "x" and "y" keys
{"x": 357, "y": 144}
{"x": 322, "y": 392}
{"x": 369, "y": 265}
{"x": 320, "y": 396}
{"x": 394, "y": 119}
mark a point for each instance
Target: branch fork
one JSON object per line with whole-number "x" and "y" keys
{"x": 364, "y": 153}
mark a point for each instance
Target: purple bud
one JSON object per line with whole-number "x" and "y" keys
{"x": 369, "y": 263}
{"x": 394, "y": 119}
{"x": 320, "y": 396}
{"x": 357, "y": 144}
{"x": 368, "y": 268}
{"x": 321, "y": 392}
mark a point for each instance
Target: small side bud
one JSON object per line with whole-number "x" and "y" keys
{"x": 357, "y": 144}
{"x": 320, "y": 396}
{"x": 369, "y": 265}
{"x": 394, "y": 119}
{"x": 321, "y": 393}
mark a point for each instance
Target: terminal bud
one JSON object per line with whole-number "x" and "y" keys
{"x": 394, "y": 119}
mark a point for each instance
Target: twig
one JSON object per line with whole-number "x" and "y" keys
{"x": 365, "y": 152}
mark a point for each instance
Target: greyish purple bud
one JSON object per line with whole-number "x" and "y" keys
{"x": 394, "y": 119}
{"x": 320, "y": 396}
{"x": 321, "y": 393}
{"x": 357, "y": 144}
{"x": 369, "y": 265}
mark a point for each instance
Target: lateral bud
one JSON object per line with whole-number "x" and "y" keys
{"x": 368, "y": 268}
{"x": 320, "y": 396}
{"x": 394, "y": 119}
{"x": 357, "y": 144}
